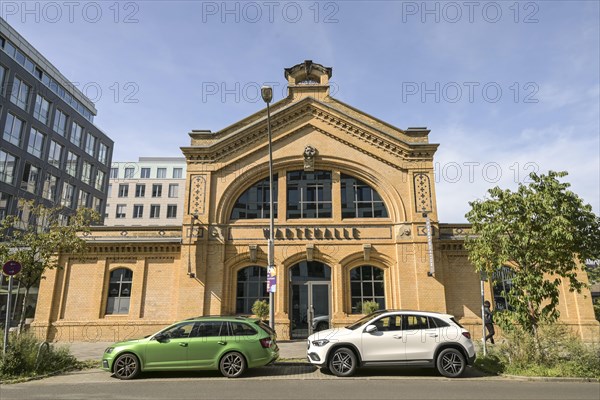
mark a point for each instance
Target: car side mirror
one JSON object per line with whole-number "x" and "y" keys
{"x": 371, "y": 329}
{"x": 160, "y": 337}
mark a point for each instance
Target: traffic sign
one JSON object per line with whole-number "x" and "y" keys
{"x": 11, "y": 268}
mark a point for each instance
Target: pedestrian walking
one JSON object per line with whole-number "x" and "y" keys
{"x": 488, "y": 319}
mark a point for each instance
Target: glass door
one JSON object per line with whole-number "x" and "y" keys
{"x": 309, "y": 298}
{"x": 319, "y": 310}
{"x": 310, "y": 308}
{"x": 299, "y": 305}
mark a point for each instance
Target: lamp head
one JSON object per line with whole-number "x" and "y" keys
{"x": 267, "y": 93}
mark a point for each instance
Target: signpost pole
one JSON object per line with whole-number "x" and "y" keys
{"x": 10, "y": 268}
{"x": 483, "y": 279}
{"x": 8, "y": 315}
{"x": 267, "y": 95}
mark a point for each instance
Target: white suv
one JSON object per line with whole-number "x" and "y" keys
{"x": 394, "y": 338}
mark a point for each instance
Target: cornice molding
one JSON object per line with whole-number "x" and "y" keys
{"x": 132, "y": 248}
{"x": 219, "y": 150}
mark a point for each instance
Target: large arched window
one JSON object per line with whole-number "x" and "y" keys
{"x": 251, "y": 286}
{"x": 254, "y": 202}
{"x": 308, "y": 194}
{"x": 119, "y": 291}
{"x": 366, "y": 284}
{"x": 360, "y": 200}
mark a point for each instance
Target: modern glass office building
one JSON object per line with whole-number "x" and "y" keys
{"x": 50, "y": 149}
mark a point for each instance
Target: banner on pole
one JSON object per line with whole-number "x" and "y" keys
{"x": 271, "y": 279}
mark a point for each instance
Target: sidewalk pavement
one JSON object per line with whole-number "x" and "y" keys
{"x": 295, "y": 349}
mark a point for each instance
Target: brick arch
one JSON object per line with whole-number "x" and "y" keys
{"x": 231, "y": 268}
{"x": 356, "y": 262}
{"x": 300, "y": 256}
{"x": 386, "y": 189}
{"x": 237, "y": 187}
{"x": 394, "y": 203}
{"x": 106, "y": 289}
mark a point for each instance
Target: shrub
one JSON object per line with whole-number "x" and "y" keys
{"x": 260, "y": 308}
{"x": 555, "y": 351}
{"x": 367, "y": 307}
{"x": 21, "y": 358}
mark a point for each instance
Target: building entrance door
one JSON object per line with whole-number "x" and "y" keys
{"x": 309, "y": 298}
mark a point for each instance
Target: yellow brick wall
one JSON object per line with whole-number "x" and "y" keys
{"x": 158, "y": 299}
{"x": 178, "y": 275}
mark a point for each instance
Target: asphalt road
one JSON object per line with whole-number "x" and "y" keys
{"x": 296, "y": 382}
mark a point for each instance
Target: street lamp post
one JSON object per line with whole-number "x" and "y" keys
{"x": 191, "y": 274}
{"x": 267, "y": 95}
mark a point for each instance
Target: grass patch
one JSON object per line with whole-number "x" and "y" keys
{"x": 88, "y": 364}
{"x": 555, "y": 352}
{"x": 490, "y": 364}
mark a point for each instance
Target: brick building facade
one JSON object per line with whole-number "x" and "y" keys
{"x": 352, "y": 193}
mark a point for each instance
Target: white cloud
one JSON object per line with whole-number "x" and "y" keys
{"x": 468, "y": 166}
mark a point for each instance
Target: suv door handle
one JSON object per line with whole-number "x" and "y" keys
{"x": 397, "y": 337}
{"x": 432, "y": 335}
{"x": 222, "y": 342}
{"x": 183, "y": 344}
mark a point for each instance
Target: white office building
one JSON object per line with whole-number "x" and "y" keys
{"x": 146, "y": 193}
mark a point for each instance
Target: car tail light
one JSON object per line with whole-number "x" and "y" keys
{"x": 467, "y": 335}
{"x": 265, "y": 343}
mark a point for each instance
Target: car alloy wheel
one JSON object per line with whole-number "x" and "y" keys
{"x": 126, "y": 366}
{"x": 451, "y": 363}
{"x": 232, "y": 365}
{"x": 343, "y": 362}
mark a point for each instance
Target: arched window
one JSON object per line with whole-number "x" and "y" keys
{"x": 360, "y": 200}
{"x": 308, "y": 194}
{"x": 366, "y": 284}
{"x": 251, "y": 286}
{"x": 119, "y": 291}
{"x": 254, "y": 202}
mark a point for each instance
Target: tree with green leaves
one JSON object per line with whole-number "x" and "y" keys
{"x": 543, "y": 233}
{"x": 36, "y": 236}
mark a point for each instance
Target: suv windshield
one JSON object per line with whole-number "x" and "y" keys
{"x": 363, "y": 320}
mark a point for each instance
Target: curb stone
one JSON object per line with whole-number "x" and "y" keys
{"x": 291, "y": 364}
{"x": 549, "y": 378}
{"x": 39, "y": 377}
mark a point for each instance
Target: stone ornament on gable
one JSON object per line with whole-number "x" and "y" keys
{"x": 309, "y": 158}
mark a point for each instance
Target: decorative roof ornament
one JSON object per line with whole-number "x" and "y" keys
{"x": 308, "y": 71}
{"x": 309, "y": 158}
{"x": 307, "y": 67}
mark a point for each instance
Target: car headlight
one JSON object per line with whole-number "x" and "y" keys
{"x": 320, "y": 342}
{"x": 109, "y": 350}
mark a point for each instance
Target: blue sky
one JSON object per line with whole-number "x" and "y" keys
{"x": 506, "y": 87}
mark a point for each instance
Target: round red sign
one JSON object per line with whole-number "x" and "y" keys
{"x": 11, "y": 268}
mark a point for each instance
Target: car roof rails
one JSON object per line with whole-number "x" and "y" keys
{"x": 220, "y": 316}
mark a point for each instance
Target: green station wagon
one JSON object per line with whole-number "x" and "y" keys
{"x": 227, "y": 344}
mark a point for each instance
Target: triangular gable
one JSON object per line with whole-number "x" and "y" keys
{"x": 342, "y": 121}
